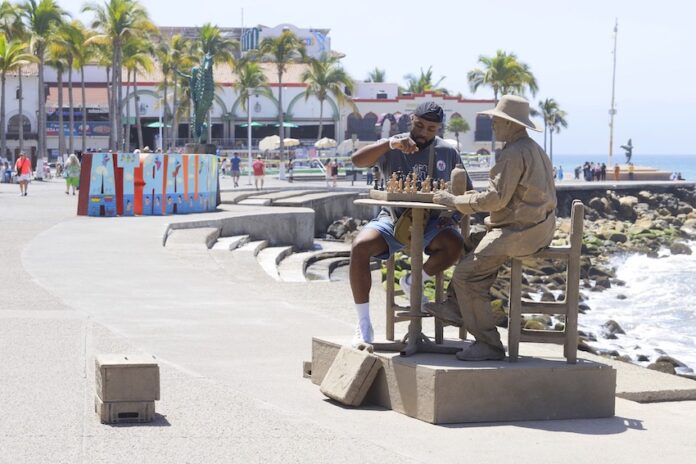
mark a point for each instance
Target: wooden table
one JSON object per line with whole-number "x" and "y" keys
{"x": 415, "y": 341}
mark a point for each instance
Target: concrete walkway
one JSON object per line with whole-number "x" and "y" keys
{"x": 230, "y": 341}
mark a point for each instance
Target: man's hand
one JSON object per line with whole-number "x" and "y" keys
{"x": 404, "y": 143}
{"x": 444, "y": 198}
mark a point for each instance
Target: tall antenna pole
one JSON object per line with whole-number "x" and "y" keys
{"x": 612, "y": 110}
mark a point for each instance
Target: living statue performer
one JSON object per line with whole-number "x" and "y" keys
{"x": 202, "y": 88}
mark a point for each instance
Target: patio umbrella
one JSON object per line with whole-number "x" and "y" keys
{"x": 290, "y": 142}
{"x": 287, "y": 124}
{"x": 269, "y": 143}
{"x": 157, "y": 125}
{"x": 253, "y": 124}
{"x": 346, "y": 147}
{"x": 325, "y": 143}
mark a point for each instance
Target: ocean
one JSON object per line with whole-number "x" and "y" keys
{"x": 686, "y": 164}
{"x": 658, "y": 313}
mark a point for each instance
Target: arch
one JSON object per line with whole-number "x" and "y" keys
{"x": 332, "y": 104}
{"x": 238, "y": 101}
{"x": 13, "y": 124}
{"x": 482, "y": 151}
{"x": 141, "y": 92}
{"x": 456, "y": 115}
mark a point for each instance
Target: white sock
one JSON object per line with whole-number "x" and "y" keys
{"x": 426, "y": 276}
{"x": 363, "y": 310}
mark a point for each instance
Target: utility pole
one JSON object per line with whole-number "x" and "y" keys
{"x": 612, "y": 110}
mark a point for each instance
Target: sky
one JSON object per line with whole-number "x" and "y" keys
{"x": 567, "y": 45}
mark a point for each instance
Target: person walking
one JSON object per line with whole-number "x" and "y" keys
{"x": 72, "y": 174}
{"x": 23, "y": 176}
{"x": 235, "y": 164}
{"x": 259, "y": 171}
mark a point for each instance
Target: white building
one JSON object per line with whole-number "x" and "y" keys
{"x": 380, "y": 109}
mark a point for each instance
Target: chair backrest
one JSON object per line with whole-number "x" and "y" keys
{"x": 577, "y": 214}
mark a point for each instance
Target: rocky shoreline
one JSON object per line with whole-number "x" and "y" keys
{"x": 647, "y": 223}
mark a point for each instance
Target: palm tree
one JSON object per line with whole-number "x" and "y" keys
{"x": 57, "y": 60}
{"x": 557, "y": 120}
{"x": 376, "y": 75}
{"x": 323, "y": 77}
{"x": 137, "y": 56}
{"x": 178, "y": 59}
{"x": 12, "y": 26}
{"x": 504, "y": 73}
{"x": 41, "y": 20}
{"x": 250, "y": 79}
{"x": 458, "y": 126}
{"x": 70, "y": 43}
{"x": 13, "y": 54}
{"x": 116, "y": 21}
{"x": 546, "y": 109}
{"x": 424, "y": 82}
{"x": 282, "y": 50}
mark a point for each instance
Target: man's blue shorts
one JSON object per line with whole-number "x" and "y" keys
{"x": 384, "y": 224}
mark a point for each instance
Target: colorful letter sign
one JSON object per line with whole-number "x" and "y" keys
{"x": 126, "y": 184}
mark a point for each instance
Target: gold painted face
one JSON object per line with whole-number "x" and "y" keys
{"x": 504, "y": 129}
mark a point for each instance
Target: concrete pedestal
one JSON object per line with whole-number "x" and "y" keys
{"x": 441, "y": 389}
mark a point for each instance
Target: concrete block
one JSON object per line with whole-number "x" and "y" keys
{"x": 116, "y": 412}
{"x": 127, "y": 377}
{"x": 440, "y": 389}
{"x": 351, "y": 375}
{"x": 307, "y": 369}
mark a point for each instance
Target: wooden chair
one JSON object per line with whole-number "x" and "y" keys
{"x": 569, "y": 307}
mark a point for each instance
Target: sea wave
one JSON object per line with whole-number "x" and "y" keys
{"x": 658, "y": 313}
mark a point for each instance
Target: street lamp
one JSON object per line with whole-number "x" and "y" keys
{"x": 249, "y": 136}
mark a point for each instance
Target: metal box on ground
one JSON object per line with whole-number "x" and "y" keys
{"x": 350, "y": 376}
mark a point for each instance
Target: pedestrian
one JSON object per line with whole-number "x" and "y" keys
{"x": 560, "y": 172}
{"x": 235, "y": 163}
{"x": 578, "y": 170}
{"x": 370, "y": 176}
{"x": 331, "y": 173}
{"x": 259, "y": 171}
{"x": 521, "y": 200}
{"x": 72, "y": 174}
{"x": 603, "y": 172}
{"x": 23, "y": 176}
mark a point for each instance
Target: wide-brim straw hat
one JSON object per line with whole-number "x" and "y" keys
{"x": 515, "y": 109}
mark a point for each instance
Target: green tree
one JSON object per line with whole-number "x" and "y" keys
{"x": 250, "y": 79}
{"x": 376, "y": 75}
{"x": 504, "y": 73}
{"x": 173, "y": 57}
{"x": 325, "y": 77}
{"x": 12, "y": 26}
{"x": 557, "y": 119}
{"x": 458, "y": 126}
{"x": 282, "y": 50}
{"x": 116, "y": 21}
{"x": 57, "y": 59}
{"x": 137, "y": 56}
{"x": 424, "y": 82}
{"x": 13, "y": 55}
{"x": 41, "y": 21}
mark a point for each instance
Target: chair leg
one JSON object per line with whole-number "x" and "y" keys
{"x": 439, "y": 298}
{"x": 390, "y": 299}
{"x": 572, "y": 295}
{"x": 514, "y": 314}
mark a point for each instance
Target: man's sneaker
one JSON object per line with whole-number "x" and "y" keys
{"x": 448, "y": 312}
{"x": 406, "y": 287}
{"x": 481, "y": 351}
{"x": 363, "y": 334}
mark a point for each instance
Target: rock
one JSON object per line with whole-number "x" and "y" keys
{"x": 624, "y": 358}
{"x": 642, "y": 358}
{"x": 547, "y": 296}
{"x": 602, "y": 283}
{"x": 559, "y": 326}
{"x": 582, "y": 307}
{"x": 621, "y": 296}
{"x": 612, "y": 327}
{"x": 534, "y": 325}
{"x": 626, "y": 213}
{"x": 665, "y": 367}
{"x": 671, "y": 360}
{"x": 597, "y": 204}
{"x": 618, "y": 237}
{"x": 689, "y": 227}
{"x": 583, "y": 346}
{"x": 678, "y": 248}
{"x": 589, "y": 336}
{"x": 628, "y": 200}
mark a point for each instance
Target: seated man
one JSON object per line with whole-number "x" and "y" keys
{"x": 404, "y": 153}
{"x": 521, "y": 198}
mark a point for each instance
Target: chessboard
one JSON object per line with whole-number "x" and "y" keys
{"x": 419, "y": 197}
{"x": 408, "y": 188}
